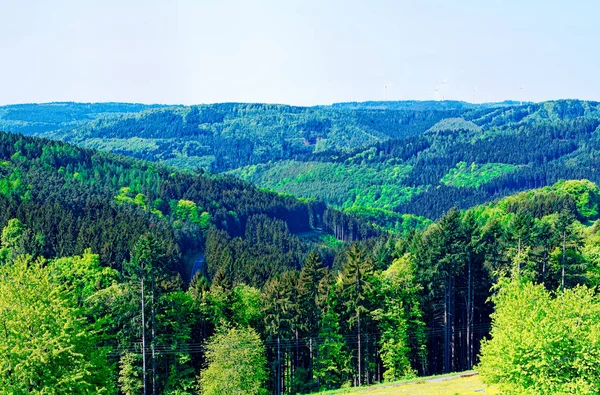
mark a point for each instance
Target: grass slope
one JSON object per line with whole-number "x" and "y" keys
{"x": 452, "y": 384}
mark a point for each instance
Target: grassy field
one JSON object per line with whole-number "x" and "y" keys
{"x": 437, "y": 385}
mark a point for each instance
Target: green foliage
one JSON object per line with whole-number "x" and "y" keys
{"x": 341, "y": 184}
{"x": 12, "y": 236}
{"x": 11, "y": 184}
{"x": 421, "y": 158}
{"x": 83, "y": 274}
{"x": 18, "y": 240}
{"x": 389, "y": 220}
{"x": 246, "y": 306}
{"x": 36, "y": 118}
{"x": 236, "y": 364}
{"x": 586, "y": 195}
{"x": 473, "y": 176}
{"x": 396, "y": 290}
{"x": 139, "y": 200}
{"x": 47, "y": 346}
{"x": 591, "y": 254}
{"x": 332, "y": 365}
{"x": 130, "y": 374}
{"x": 186, "y": 210}
{"x": 177, "y": 316}
{"x": 399, "y": 319}
{"x": 543, "y": 344}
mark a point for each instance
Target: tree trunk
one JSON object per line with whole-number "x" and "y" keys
{"x": 359, "y": 353}
{"x": 310, "y": 358}
{"x": 562, "y": 283}
{"x": 452, "y": 324}
{"x": 367, "y": 378}
{"x": 545, "y": 259}
{"x": 446, "y": 327}
{"x": 154, "y": 392}
{"x": 278, "y": 365}
{"x": 472, "y": 326}
{"x": 519, "y": 258}
{"x": 297, "y": 350}
{"x": 143, "y": 338}
{"x": 469, "y": 317}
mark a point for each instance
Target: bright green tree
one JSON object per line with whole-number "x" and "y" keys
{"x": 46, "y": 345}
{"x": 130, "y": 374}
{"x": 398, "y": 315}
{"x": 236, "y": 364}
{"x": 332, "y": 366}
{"x": 246, "y": 305}
{"x": 542, "y": 344}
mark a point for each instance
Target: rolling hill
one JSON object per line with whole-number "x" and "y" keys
{"x": 379, "y": 159}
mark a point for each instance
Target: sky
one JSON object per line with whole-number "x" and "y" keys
{"x": 301, "y": 52}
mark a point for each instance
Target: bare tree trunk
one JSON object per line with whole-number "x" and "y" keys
{"x": 519, "y": 258}
{"x": 472, "y": 327}
{"x": 562, "y": 283}
{"x": 469, "y": 317}
{"x": 359, "y": 353}
{"x": 297, "y": 349}
{"x": 544, "y": 266}
{"x": 154, "y": 392}
{"x": 446, "y": 337}
{"x": 452, "y": 324}
{"x": 143, "y": 338}
{"x": 367, "y": 373}
{"x": 278, "y": 365}
{"x": 310, "y": 357}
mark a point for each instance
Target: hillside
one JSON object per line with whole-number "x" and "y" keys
{"x": 381, "y": 158}
{"x": 73, "y": 199}
{"x": 460, "y": 161}
{"x": 226, "y": 136}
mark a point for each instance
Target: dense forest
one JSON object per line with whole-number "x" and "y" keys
{"x": 131, "y": 275}
{"x": 380, "y": 159}
{"x": 72, "y": 199}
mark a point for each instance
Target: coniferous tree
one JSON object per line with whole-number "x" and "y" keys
{"x": 356, "y": 289}
{"x": 311, "y": 275}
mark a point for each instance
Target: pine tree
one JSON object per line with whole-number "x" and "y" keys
{"x": 356, "y": 287}
{"x": 149, "y": 265}
{"x": 276, "y": 312}
{"x": 308, "y": 291}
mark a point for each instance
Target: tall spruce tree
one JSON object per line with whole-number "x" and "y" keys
{"x": 356, "y": 279}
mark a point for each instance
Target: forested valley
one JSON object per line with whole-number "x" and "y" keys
{"x": 119, "y": 275}
{"x": 397, "y": 165}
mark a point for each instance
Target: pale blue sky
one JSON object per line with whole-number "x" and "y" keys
{"x": 297, "y": 52}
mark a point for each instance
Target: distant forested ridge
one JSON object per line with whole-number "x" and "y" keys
{"x": 412, "y": 157}
{"x": 40, "y": 118}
